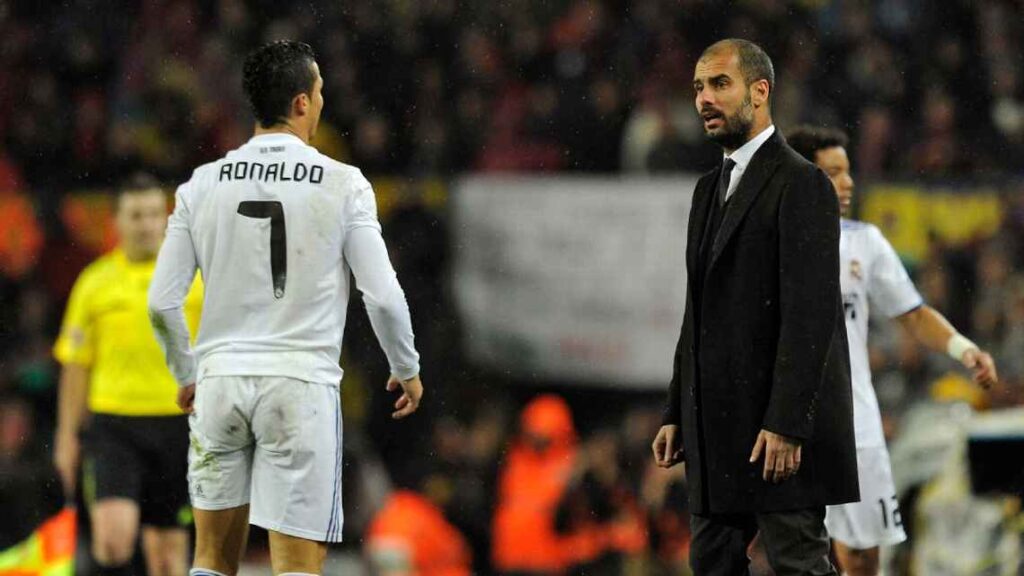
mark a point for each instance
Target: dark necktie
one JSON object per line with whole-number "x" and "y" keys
{"x": 723, "y": 180}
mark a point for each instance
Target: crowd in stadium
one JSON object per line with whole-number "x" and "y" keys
{"x": 929, "y": 91}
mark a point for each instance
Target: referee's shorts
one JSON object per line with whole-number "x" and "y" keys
{"x": 142, "y": 458}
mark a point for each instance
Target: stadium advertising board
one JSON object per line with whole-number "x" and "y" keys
{"x": 577, "y": 280}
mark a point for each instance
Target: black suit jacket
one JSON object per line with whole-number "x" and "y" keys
{"x": 769, "y": 349}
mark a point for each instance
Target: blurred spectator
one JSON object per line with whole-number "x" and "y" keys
{"x": 1008, "y": 354}
{"x": 993, "y": 271}
{"x": 938, "y": 153}
{"x": 30, "y": 490}
{"x": 409, "y": 536}
{"x": 532, "y": 482}
{"x": 603, "y": 522}
{"x": 461, "y": 476}
{"x": 663, "y": 134}
{"x": 664, "y": 499}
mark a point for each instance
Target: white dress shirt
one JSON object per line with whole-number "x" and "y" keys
{"x": 742, "y": 155}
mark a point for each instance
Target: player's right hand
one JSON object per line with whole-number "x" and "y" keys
{"x": 187, "y": 398}
{"x": 668, "y": 449}
{"x": 412, "y": 392}
{"x": 980, "y": 363}
{"x": 66, "y": 453}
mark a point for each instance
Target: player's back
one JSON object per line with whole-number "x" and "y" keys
{"x": 268, "y": 223}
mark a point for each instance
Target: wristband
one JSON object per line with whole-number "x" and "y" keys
{"x": 957, "y": 345}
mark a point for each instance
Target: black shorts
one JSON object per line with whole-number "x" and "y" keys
{"x": 142, "y": 458}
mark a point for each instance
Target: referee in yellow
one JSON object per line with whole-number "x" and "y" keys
{"x": 117, "y": 395}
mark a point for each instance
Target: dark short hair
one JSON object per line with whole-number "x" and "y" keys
{"x": 754, "y": 62}
{"x": 136, "y": 183}
{"x": 273, "y": 74}
{"x": 808, "y": 140}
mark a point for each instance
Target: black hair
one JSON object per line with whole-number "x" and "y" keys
{"x": 754, "y": 62}
{"x": 273, "y": 75}
{"x": 808, "y": 140}
{"x": 135, "y": 183}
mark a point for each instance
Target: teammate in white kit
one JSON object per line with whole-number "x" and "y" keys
{"x": 275, "y": 227}
{"x": 873, "y": 278}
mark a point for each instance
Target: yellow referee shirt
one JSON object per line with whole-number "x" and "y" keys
{"x": 106, "y": 327}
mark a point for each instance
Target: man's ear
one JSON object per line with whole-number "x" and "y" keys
{"x": 759, "y": 92}
{"x": 300, "y": 104}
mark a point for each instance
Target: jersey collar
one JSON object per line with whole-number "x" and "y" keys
{"x": 122, "y": 260}
{"x": 275, "y": 138}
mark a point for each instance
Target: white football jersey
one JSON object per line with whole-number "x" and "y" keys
{"x": 872, "y": 277}
{"x": 274, "y": 227}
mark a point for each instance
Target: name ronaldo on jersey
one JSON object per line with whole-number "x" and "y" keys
{"x": 277, "y": 172}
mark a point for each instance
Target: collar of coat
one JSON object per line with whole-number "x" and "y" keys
{"x": 758, "y": 172}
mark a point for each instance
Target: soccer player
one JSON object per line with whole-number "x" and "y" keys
{"x": 873, "y": 277}
{"x": 115, "y": 385}
{"x": 275, "y": 227}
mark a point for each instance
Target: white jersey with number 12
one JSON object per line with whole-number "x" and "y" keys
{"x": 873, "y": 279}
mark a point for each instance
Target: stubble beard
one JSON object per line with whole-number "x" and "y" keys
{"x": 735, "y": 129}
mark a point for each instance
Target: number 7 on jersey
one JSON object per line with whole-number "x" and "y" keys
{"x": 278, "y": 241}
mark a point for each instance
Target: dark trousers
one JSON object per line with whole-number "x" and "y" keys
{"x": 796, "y": 542}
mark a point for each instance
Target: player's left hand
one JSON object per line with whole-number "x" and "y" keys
{"x": 981, "y": 364}
{"x": 186, "y": 398}
{"x": 412, "y": 393}
{"x": 781, "y": 456}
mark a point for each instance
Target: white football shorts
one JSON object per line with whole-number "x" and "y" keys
{"x": 876, "y": 519}
{"x": 271, "y": 442}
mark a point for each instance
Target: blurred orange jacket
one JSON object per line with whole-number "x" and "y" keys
{"x": 49, "y": 551}
{"x": 533, "y": 480}
{"x": 410, "y": 536}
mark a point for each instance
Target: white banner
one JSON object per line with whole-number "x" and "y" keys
{"x": 574, "y": 279}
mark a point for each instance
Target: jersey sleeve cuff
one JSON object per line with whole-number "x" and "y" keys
{"x": 64, "y": 358}
{"x": 907, "y": 310}
{"x": 406, "y": 372}
{"x": 186, "y": 375}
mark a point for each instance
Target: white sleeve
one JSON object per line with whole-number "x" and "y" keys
{"x": 385, "y": 302}
{"x": 891, "y": 290}
{"x": 175, "y": 272}
{"x": 361, "y": 208}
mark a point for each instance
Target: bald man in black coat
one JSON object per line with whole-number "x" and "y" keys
{"x": 760, "y": 404}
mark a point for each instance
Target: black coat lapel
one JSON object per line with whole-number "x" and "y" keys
{"x": 760, "y": 169}
{"x": 702, "y": 194}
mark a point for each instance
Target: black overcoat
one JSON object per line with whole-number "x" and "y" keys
{"x": 767, "y": 348}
